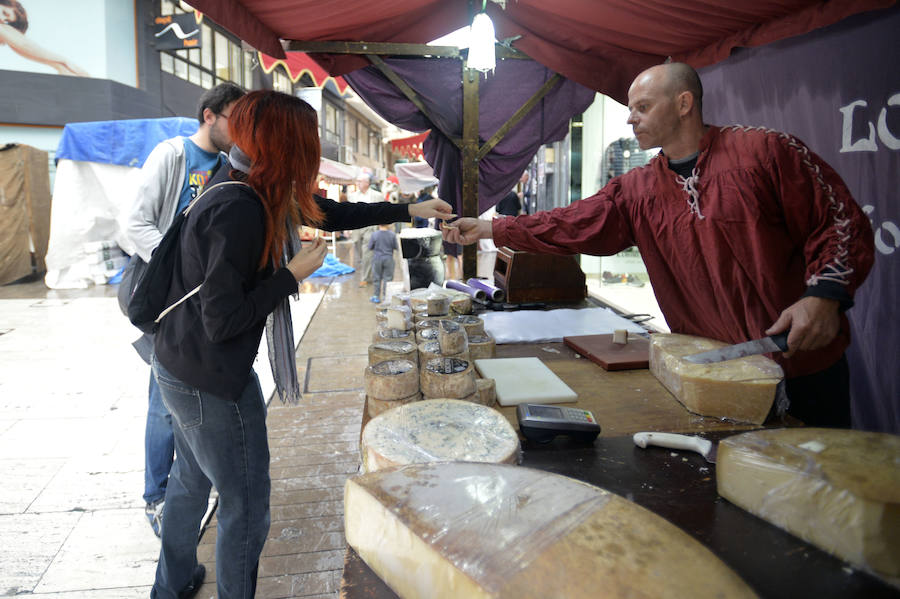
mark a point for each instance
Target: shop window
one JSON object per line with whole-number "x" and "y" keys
{"x": 280, "y": 80}
{"x": 332, "y": 133}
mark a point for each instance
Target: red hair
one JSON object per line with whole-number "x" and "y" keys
{"x": 280, "y": 135}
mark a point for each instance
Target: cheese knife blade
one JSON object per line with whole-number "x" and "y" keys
{"x": 704, "y": 447}
{"x": 748, "y": 348}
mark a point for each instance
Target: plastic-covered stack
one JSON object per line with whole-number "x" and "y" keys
{"x": 443, "y": 530}
{"x": 741, "y": 389}
{"x": 438, "y": 430}
{"x": 391, "y": 383}
{"x": 837, "y": 489}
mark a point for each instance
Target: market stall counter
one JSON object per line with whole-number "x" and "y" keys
{"x": 679, "y": 486}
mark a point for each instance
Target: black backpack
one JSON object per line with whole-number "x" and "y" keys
{"x": 147, "y": 305}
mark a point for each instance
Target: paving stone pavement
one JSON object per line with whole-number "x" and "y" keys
{"x": 72, "y": 411}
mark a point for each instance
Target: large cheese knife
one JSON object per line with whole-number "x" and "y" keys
{"x": 704, "y": 447}
{"x": 748, "y": 348}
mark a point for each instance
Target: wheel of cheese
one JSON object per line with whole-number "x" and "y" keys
{"x": 430, "y": 322}
{"x": 430, "y": 350}
{"x": 452, "y": 337}
{"x": 482, "y": 346}
{"x": 437, "y": 304}
{"x": 447, "y": 377}
{"x": 461, "y": 303}
{"x": 472, "y": 324}
{"x": 438, "y": 430}
{"x": 377, "y": 406}
{"x": 393, "y": 350}
{"x": 486, "y": 391}
{"x": 425, "y": 335}
{"x": 837, "y": 489}
{"x": 449, "y": 530}
{"x": 399, "y": 317}
{"x": 385, "y": 334}
{"x": 741, "y": 389}
{"x": 392, "y": 379}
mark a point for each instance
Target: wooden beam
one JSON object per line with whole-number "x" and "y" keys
{"x": 518, "y": 116}
{"x": 471, "y": 79}
{"x": 410, "y": 94}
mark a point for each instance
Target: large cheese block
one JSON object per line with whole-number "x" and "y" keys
{"x": 438, "y": 430}
{"x": 837, "y": 489}
{"x": 466, "y": 530}
{"x": 741, "y": 389}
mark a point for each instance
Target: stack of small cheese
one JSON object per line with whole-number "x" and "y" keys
{"x": 421, "y": 349}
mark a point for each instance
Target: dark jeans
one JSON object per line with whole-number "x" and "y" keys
{"x": 382, "y": 271}
{"x": 223, "y": 443}
{"x": 823, "y": 398}
{"x": 159, "y": 446}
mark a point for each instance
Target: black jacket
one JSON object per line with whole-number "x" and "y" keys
{"x": 211, "y": 340}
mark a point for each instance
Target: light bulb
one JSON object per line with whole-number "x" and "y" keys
{"x": 481, "y": 44}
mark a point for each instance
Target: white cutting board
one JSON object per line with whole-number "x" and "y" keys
{"x": 524, "y": 380}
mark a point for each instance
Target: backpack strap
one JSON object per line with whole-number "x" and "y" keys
{"x": 186, "y": 211}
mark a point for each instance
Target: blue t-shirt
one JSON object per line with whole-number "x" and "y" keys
{"x": 199, "y": 167}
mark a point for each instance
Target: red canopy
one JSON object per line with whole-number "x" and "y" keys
{"x": 298, "y": 63}
{"x": 602, "y": 45}
{"x": 411, "y": 146}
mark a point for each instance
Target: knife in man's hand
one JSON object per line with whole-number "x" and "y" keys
{"x": 748, "y": 348}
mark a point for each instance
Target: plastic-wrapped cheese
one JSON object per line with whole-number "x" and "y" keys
{"x": 452, "y": 337}
{"x": 482, "y": 346}
{"x": 386, "y": 334}
{"x": 449, "y": 530}
{"x": 447, "y": 377}
{"x": 461, "y": 303}
{"x": 741, "y": 389}
{"x": 430, "y": 322}
{"x": 438, "y": 430}
{"x": 429, "y": 350}
{"x": 376, "y": 406}
{"x": 425, "y": 335}
{"x": 392, "y": 379}
{"x": 437, "y": 304}
{"x": 393, "y": 350}
{"x": 472, "y": 324}
{"x": 837, "y": 489}
{"x": 399, "y": 317}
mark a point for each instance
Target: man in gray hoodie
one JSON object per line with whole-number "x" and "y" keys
{"x": 173, "y": 175}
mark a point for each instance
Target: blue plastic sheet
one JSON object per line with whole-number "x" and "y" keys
{"x": 332, "y": 267}
{"x": 126, "y": 142}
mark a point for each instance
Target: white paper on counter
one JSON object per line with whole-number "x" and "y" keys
{"x": 541, "y": 326}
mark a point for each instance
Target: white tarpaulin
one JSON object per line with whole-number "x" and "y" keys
{"x": 546, "y": 326}
{"x": 414, "y": 176}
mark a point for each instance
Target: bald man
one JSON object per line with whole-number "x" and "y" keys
{"x": 744, "y": 231}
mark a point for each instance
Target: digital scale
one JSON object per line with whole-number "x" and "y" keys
{"x": 541, "y": 424}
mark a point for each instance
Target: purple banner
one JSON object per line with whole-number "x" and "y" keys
{"x": 838, "y": 90}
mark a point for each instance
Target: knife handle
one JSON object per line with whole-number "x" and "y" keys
{"x": 674, "y": 441}
{"x": 780, "y": 339}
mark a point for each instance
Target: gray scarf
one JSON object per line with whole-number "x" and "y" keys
{"x": 279, "y": 327}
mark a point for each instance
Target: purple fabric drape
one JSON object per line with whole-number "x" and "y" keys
{"x": 437, "y": 82}
{"x": 838, "y": 90}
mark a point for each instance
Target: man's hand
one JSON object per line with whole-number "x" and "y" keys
{"x": 813, "y": 322}
{"x": 431, "y": 209}
{"x": 308, "y": 259}
{"x": 467, "y": 230}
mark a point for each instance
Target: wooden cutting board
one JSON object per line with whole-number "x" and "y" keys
{"x": 612, "y": 356}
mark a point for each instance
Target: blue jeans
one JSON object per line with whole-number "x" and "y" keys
{"x": 159, "y": 446}
{"x": 223, "y": 443}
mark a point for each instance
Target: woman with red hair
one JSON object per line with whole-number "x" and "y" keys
{"x": 236, "y": 246}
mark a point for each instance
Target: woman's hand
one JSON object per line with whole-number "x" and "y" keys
{"x": 308, "y": 259}
{"x": 466, "y": 230}
{"x": 431, "y": 209}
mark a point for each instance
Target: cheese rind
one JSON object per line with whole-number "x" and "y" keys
{"x": 399, "y": 317}
{"x": 482, "y": 346}
{"x": 472, "y": 324}
{"x": 386, "y": 334}
{"x": 452, "y": 337}
{"x": 447, "y": 377}
{"x": 741, "y": 389}
{"x": 461, "y": 303}
{"x": 393, "y": 350}
{"x": 392, "y": 379}
{"x": 376, "y": 406}
{"x": 437, "y": 304}
{"x": 837, "y": 489}
{"x": 429, "y": 350}
{"x": 438, "y": 430}
{"x": 460, "y": 529}
{"x": 425, "y": 335}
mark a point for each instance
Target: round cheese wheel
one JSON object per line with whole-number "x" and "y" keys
{"x": 393, "y": 350}
{"x": 482, "y": 346}
{"x": 461, "y": 303}
{"x": 452, "y": 337}
{"x": 386, "y": 334}
{"x": 430, "y": 322}
{"x": 392, "y": 379}
{"x": 438, "y": 431}
{"x": 424, "y": 335}
{"x": 377, "y": 406}
{"x": 432, "y": 349}
{"x": 447, "y": 377}
{"x": 472, "y": 324}
{"x": 437, "y": 304}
